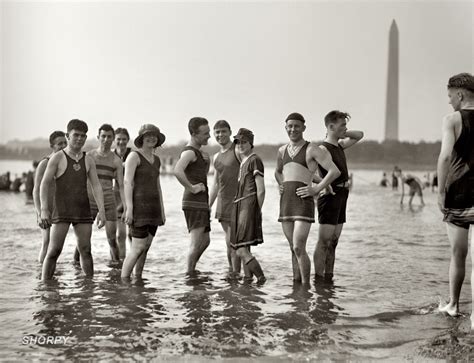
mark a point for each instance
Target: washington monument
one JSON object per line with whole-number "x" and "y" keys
{"x": 391, "y": 106}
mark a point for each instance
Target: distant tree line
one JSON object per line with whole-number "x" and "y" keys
{"x": 366, "y": 152}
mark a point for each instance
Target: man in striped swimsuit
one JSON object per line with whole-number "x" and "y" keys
{"x": 296, "y": 164}
{"x": 109, "y": 167}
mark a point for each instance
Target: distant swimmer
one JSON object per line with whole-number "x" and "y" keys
{"x": 72, "y": 169}
{"x": 122, "y": 138}
{"x": 109, "y": 168}
{"x": 246, "y": 221}
{"x": 224, "y": 188}
{"x": 144, "y": 211}
{"x": 191, "y": 171}
{"x": 434, "y": 182}
{"x": 297, "y": 162}
{"x": 395, "y": 178}
{"x": 332, "y": 207}
{"x": 57, "y": 141}
{"x": 384, "y": 182}
{"x": 456, "y": 183}
{"x": 415, "y": 185}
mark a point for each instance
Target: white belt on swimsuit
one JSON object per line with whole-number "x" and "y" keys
{"x": 343, "y": 185}
{"x": 245, "y": 197}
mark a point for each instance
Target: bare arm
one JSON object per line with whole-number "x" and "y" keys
{"x": 323, "y": 157}
{"x": 260, "y": 184}
{"x": 186, "y": 158}
{"x": 96, "y": 189}
{"x": 48, "y": 178}
{"x": 119, "y": 180}
{"x": 279, "y": 167}
{"x": 215, "y": 185}
{"x": 36, "y": 189}
{"x": 131, "y": 164}
{"x": 447, "y": 143}
{"x": 352, "y": 137}
{"x": 162, "y": 204}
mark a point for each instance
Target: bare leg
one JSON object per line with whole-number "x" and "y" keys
{"x": 331, "y": 254}
{"x": 56, "y": 243}
{"x": 83, "y": 233}
{"x": 137, "y": 248}
{"x": 232, "y": 258}
{"x": 111, "y": 231}
{"x": 121, "y": 238}
{"x": 458, "y": 238}
{"x": 300, "y": 236}
{"x": 141, "y": 260}
{"x": 44, "y": 244}
{"x": 326, "y": 233}
{"x": 288, "y": 228}
{"x": 199, "y": 242}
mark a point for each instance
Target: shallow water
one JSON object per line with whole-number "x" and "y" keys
{"x": 391, "y": 266}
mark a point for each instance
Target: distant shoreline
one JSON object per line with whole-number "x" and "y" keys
{"x": 352, "y": 165}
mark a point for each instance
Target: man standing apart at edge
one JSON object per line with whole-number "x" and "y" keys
{"x": 109, "y": 167}
{"x": 144, "y": 198}
{"x": 72, "y": 169}
{"x": 224, "y": 188}
{"x": 332, "y": 206}
{"x": 191, "y": 171}
{"x": 122, "y": 137}
{"x": 456, "y": 183}
{"x": 297, "y": 162}
{"x": 57, "y": 141}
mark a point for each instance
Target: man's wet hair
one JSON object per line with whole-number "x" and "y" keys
{"x": 54, "y": 135}
{"x": 78, "y": 125}
{"x": 106, "y": 127}
{"x": 195, "y": 123}
{"x": 123, "y": 131}
{"x": 333, "y": 116}
{"x": 463, "y": 81}
{"x": 222, "y": 124}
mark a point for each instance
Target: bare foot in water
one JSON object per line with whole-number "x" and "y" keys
{"x": 449, "y": 308}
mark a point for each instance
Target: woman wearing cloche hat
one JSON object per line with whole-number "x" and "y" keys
{"x": 246, "y": 219}
{"x": 143, "y": 197}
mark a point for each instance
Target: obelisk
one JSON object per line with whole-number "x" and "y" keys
{"x": 391, "y": 106}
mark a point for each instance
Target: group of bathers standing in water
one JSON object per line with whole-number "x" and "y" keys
{"x": 121, "y": 187}
{"x": 74, "y": 187}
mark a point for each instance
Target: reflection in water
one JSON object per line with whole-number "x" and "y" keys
{"x": 305, "y": 325}
{"x": 220, "y": 321}
{"x": 100, "y": 318}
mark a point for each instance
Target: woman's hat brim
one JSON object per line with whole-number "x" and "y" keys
{"x": 139, "y": 140}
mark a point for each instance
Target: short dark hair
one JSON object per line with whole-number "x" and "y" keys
{"x": 122, "y": 130}
{"x": 54, "y": 135}
{"x": 222, "y": 124}
{"x": 462, "y": 80}
{"x": 335, "y": 115}
{"x": 78, "y": 125}
{"x": 295, "y": 116}
{"x": 106, "y": 127}
{"x": 195, "y": 123}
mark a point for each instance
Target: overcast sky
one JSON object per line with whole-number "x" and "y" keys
{"x": 129, "y": 63}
